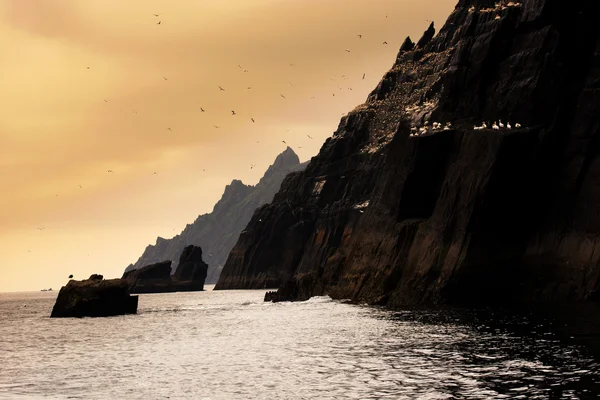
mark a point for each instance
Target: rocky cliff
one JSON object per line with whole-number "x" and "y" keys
{"x": 218, "y": 231}
{"x": 424, "y": 195}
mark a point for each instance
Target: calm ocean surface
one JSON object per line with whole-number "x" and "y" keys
{"x": 232, "y": 345}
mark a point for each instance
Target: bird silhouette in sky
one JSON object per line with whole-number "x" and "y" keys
{"x": 156, "y": 15}
{"x": 365, "y": 74}
{"x": 252, "y": 119}
{"x": 88, "y": 67}
{"x": 283, "y": 141}
{"x": 282, "y": 96}
{"x": 170, "y": 129}
{"x": 71, "y": 276}
{"x": 165, "y": 78}
{"x": 158, "y": 23}
{"x": 155, "y": 173}
{"x": 80, "y": 187}
{"x": 110, "y": 171}
{"x": 292, "y": 65}
{"x": 347, "y": 51}
{"x": 106, "y": 101}
{"x": 309, "y": 136}
{"x": 217, "y": 127}
{"x": 360, "y": 36}
{"x": 202, "y": 109}
{"x": 221, "y": 89}
{"x": 385, "y": 43}
{"x": 233, "y": 112}
{"x": 249, "y": 87}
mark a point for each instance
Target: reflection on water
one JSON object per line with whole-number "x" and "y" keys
{"x": 231, "y": 345}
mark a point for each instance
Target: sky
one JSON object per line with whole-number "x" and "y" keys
{"x": 89, "y": 86}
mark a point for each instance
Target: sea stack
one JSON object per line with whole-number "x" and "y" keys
{"x": 94, "y": 297}
{"x": 190, "y": 274}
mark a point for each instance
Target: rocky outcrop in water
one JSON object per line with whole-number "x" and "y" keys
{"x": 156, "y": 278}
{"x": 423, "y": 194}
{"x": 94, "y": 297}
{"x": 218, "y": 231}
{"x": 191, "y": 271}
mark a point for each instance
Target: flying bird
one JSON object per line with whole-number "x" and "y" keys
{"x": 202, "y": 109}
{"x": 249, "y": 87}
{"x": 221, "y": 88}
{"x": 170, "y": 129}
{"x": 106, "y": 101}
{"x": 88, "y": 67}
{"x": 252, "y": 119}
{"x": 110, "y": 171}
{"x": 71, "y": 276}
{"x": 309, "y": 136}
{"x": 347, "y": 51}
{"x": 232, "y": 112}
{"x": 165, "y": 78}
{"x": 80, "y": 187}
{"x": 283, "y": 141}
{"x": 333, "y": 94}
{"x": 360, "y": 36}
{"x": 158, "y": 23}
{"x": 292, "y": 65}
{"x": 217, "y": 127}
{"x": 156, "y": 15}
{"x": 282, "y": 96}
{"x": 385, "y": 43}
{"x": 155, "y": 173}
{"x": 364, "y": 75}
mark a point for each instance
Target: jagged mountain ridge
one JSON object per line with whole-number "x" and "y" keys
{"x": 457, "y": 215}
{"x": 218, "y": 231}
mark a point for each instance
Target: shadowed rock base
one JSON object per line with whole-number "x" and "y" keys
{"x": 94, "y": 298}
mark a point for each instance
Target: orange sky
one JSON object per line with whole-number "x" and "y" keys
{"x": 63, "y": 125}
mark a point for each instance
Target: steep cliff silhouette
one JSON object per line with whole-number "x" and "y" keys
{"x": 395, "y": 211}
{"x": 218, "y": 231}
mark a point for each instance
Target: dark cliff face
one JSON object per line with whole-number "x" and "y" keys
{"x": 218, "y": 231}
{"x": 387, "y": 215}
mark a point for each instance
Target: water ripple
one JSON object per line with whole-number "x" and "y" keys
{"x": 231, "y": 345}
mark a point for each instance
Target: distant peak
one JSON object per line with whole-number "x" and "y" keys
{"x": 287, "y": 158}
